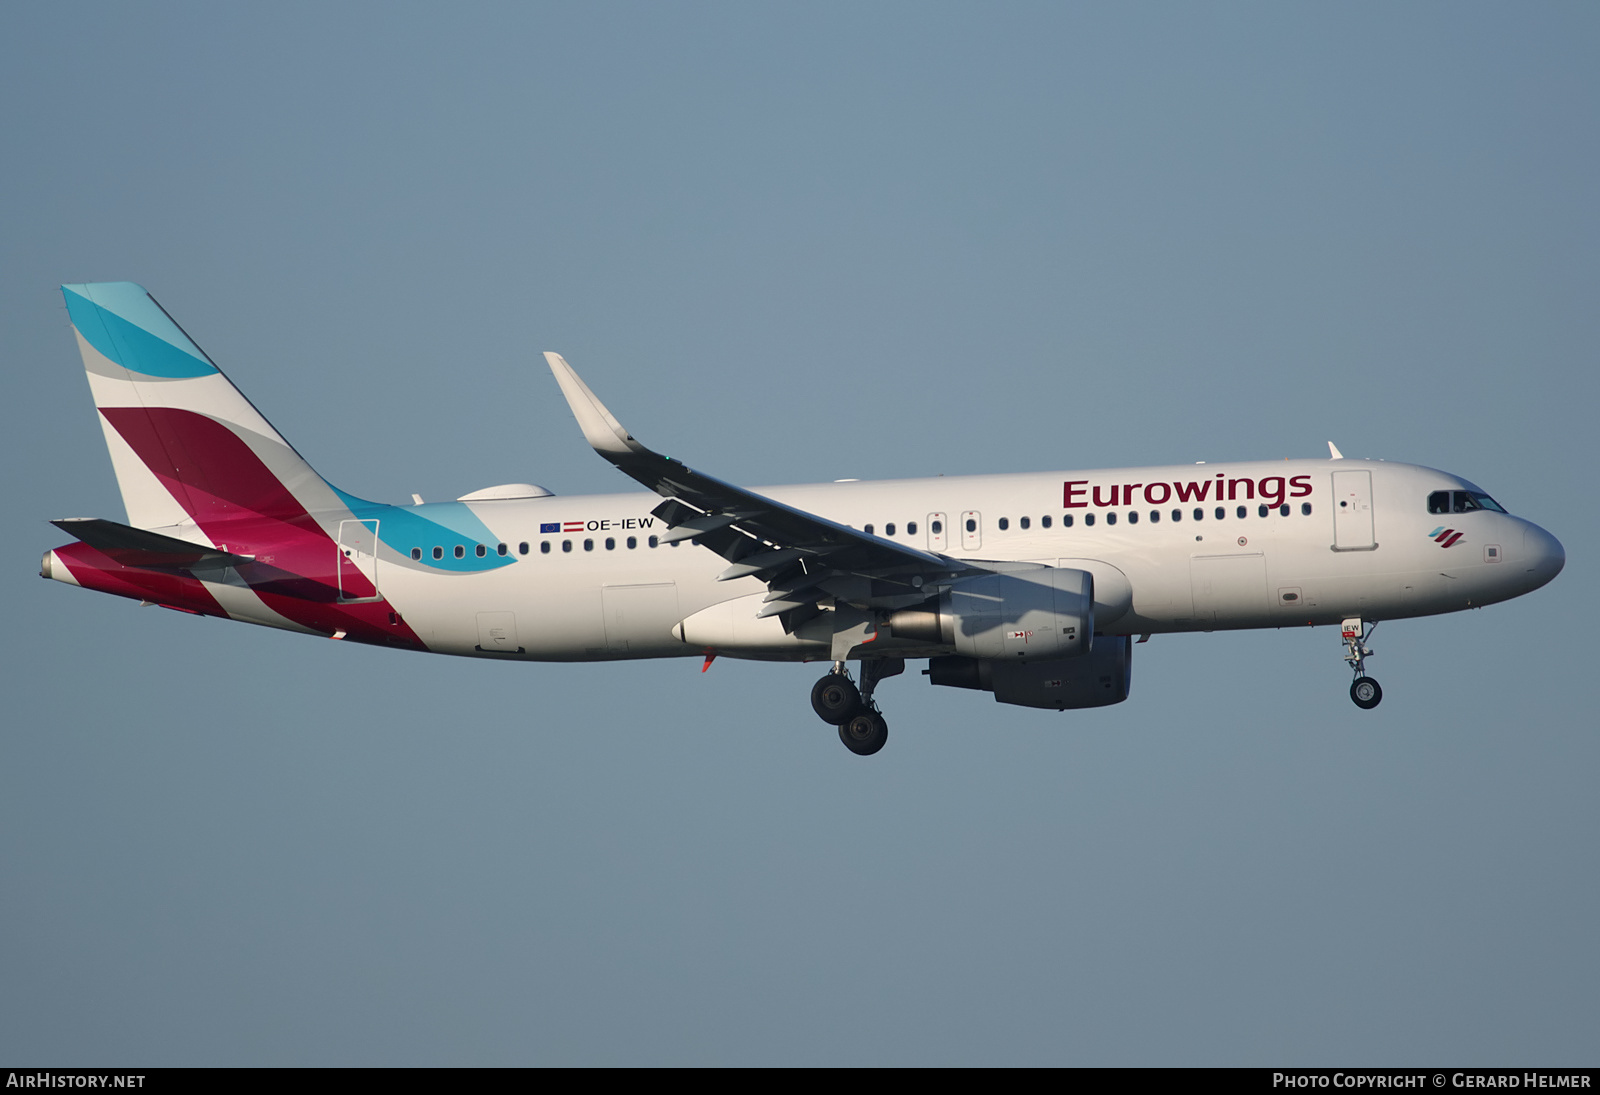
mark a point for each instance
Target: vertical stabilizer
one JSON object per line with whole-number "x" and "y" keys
{"x": 188, "y": 449}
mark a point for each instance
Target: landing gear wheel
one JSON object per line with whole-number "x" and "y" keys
{"x": 1366, "y": 693}
{"x": 865, "y": 733}
{"x": 835, "y": 699}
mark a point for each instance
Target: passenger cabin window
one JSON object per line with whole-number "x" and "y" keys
{"x": 416, "y": 553}
{"x": 438, "y": 553}
{"x": 1242, "y": 511}
{"x": 461, "y": 551}
{"x": 888, "y": 530}
{"x": 633, "y": 542}
{"x": 868, "y": 530}
{"x": 482, "y": 551}
{"x": 1111, "y": 518}
{"x": 1133, "y": 517}
{"x": 522, "y": 548}
{"x": 1023, "y": 522}
{"x": 1088, "y": 519}
{"x": 1221, "y": 513}
{"x": 544, "y": 547}
{"x": 1305, "y": 508}
{"x": 1066, "y": 520}
{"x": 1005, "y": 523}
{"x": 1044, "y": 522}
{"x": 1177, "y": 515}
{"x": 911, "y": 528}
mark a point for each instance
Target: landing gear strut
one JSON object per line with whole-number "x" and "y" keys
{"x": 1363, "y": 690}
{"x": 839, "y": 701}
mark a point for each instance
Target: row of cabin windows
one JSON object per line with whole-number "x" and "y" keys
{"x": 1004, "y": 523}
{"x": 611, "y": 544}
{"x": 911, "y": 528}
{"x": 1220, "y": 513}
{"x": 935, "y": 527}
{"x": 482, "y": 551}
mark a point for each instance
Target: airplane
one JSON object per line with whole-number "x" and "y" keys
{"x": 1031, "y": 587}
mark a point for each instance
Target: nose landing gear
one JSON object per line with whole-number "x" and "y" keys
{"x": 1364, "y": 691}
{"x": 838, "y": 701}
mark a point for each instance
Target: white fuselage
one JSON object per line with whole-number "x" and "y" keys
{"x": 1357, "y": 540}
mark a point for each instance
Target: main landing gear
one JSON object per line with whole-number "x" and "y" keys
{"x": 1363, "y": 690}
{"x": 838, "y": 701}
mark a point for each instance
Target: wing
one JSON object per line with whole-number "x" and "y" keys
{"x": 804, "y": 559}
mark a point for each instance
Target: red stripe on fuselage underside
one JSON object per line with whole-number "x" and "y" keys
{"x": 93, "y": 569}
{"x": 238, "y": 501}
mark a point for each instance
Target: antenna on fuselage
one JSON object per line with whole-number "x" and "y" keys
{"x": 1333, "y": 452}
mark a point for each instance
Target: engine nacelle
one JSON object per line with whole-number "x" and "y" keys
{"x": 1097, "y": 680}
{"x": 1028, "y": 616}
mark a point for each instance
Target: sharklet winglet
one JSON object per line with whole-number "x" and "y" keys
{"x": 600, "y": 427}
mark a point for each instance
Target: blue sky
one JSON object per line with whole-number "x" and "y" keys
{"x": 791, "y": 243}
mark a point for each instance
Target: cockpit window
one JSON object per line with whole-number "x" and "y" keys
{"x": 1461, "y": 501}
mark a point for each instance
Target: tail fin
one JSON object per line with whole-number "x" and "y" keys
{"x": 188, "y": 448}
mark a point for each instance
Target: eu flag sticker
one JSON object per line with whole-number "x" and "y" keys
{"x": 550, "y": 526}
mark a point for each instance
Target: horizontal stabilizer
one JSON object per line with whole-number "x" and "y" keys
{"x": 136, "y": 547}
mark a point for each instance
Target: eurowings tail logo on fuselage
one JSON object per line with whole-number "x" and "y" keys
{"x": 1445, "y": 537}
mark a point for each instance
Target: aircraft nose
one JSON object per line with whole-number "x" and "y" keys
{"x": 1542, "y": 554}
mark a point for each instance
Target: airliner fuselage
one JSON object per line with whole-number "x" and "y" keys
{"x": 546, "y": 568}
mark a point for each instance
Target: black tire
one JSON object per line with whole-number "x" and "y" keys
{"x": 1366, "y": 693}
{"x": 865, "y": 733}
{"x": 835, "y": 699}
